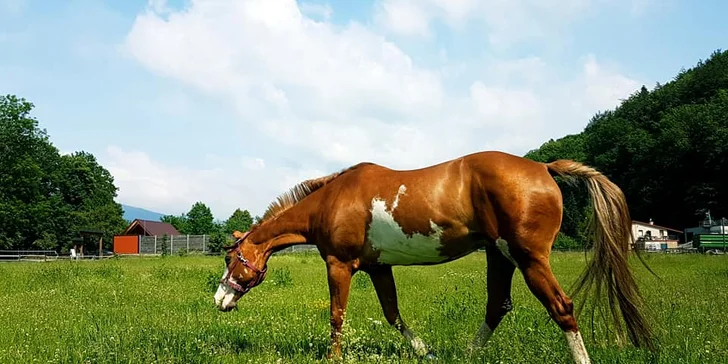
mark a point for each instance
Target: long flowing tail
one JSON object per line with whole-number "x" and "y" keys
{"x": 611, "y": 229}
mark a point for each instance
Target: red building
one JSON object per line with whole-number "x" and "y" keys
{"x": 128, "y": 241}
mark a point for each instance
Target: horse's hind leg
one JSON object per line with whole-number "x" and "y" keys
{"x": 383, "y": 282}
{"x": 499, "y": 278}
{"x": 542, "y": 283}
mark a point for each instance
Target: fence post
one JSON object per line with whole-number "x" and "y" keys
{"x": 155, "y": 244}
{"x": 203, "y": 242}
{"x": 171, "y": 244}
{"x": 188, "y": 243}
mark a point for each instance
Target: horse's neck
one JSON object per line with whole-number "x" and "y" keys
{"x": 291, "y": 228}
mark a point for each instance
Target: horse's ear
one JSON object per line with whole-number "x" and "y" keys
{"x": 238, "y": 235}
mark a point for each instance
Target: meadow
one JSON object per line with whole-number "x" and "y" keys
{"x": 160, "y": 309}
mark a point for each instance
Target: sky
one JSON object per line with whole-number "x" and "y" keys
{"x": 232, "y": 102}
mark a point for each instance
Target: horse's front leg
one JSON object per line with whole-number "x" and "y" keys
{"x": 383, "y": 282}
{"x": 339, "y": 277}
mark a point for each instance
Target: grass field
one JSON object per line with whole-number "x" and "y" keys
{"x": 134, "y": 310}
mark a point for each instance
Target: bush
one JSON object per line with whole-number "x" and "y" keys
{"x": 164, "y": 246}
{"x": 217, "y": 240}
{"x": 564, "y": 241}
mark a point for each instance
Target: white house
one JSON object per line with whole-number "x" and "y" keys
{"x": 655, "y": 237}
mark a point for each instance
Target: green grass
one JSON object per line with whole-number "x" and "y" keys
{"x": 136, "y": 310}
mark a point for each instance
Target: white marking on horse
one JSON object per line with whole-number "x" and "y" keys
{"x": 503, "y": 247}
{"x": 416, "y": 342}
{"x": 401, "y": 191}
{"x": 482, "y": 336}
{"x": 576, "y": 344}
{"x": 224, "y": 295}
{"x": 394, "y": 246}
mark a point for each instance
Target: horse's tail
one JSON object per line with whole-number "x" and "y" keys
{"x": 611, "y": 230}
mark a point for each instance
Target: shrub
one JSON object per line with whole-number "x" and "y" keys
{"x": 217, "y": 240}
{"x": 564, "y": 241}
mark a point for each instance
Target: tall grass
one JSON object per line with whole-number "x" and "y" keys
{"x": 136, "y": 310}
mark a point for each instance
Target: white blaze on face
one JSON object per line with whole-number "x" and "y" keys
{"x": 393, "y": 245}
{"x": 224, "y": 295}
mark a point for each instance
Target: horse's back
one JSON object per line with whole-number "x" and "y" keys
{"x": 432, "y": 214}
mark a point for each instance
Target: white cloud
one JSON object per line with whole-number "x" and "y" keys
{"x": 336, "y": 95}
{"x": 317, "y": 10}
{"x": 147, "y": 183}
{"x": 604, "y": 87}
{"x": 406, "y": 17}
{"x": 503, "y": 22}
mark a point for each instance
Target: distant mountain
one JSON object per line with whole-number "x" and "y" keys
{"x": 131, "y": 213}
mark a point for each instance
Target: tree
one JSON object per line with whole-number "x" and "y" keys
{"x": 29, "y": 201}
{"x": 46, "y": 198}
{"x": 240, "y": 220}
{"x": 88, "y": 190}
{"x": 217, "y": 241}
{"x": 178, "y": 221}
{"x": 200, "y": 220}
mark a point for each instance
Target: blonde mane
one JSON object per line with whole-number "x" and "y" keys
{"x": 298, "y": 192}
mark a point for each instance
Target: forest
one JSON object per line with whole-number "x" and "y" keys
{"x": 665, "y": 147}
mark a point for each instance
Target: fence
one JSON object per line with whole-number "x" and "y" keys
{"x": 28, "y": 254}
{"x": 174, "y": 244}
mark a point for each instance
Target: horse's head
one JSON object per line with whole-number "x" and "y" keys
{"x": 242, "y": 271}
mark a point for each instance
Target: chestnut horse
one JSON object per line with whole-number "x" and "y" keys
{"x": 370, "y": 218}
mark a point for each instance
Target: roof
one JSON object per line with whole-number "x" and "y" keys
{"x": 151, "y": 227}
{"x": 655, "y": 226}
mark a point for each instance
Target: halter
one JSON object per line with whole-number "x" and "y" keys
{"x": 259, "y": 274}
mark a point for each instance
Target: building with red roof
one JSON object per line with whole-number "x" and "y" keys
{"x": 128, "y": 242}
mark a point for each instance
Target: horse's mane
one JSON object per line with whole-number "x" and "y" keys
{"x": 298, "y": 192}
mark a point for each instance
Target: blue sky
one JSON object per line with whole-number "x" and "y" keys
{"x": 231, "y": 102}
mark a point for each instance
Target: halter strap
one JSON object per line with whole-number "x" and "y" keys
{"x": 259, "y": 274}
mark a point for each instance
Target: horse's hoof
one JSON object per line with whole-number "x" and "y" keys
{"x": 430, "y": 356}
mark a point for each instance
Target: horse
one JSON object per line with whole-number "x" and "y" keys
{"x": 370, "y": 217}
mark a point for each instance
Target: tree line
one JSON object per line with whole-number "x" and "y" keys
{"x": 666, "y": 148}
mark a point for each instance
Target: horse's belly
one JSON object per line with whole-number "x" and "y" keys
{"x": 392, "y": 246}
{"x": 394, "y": 249}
